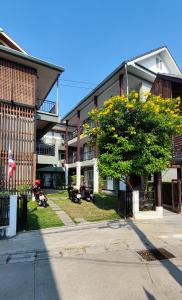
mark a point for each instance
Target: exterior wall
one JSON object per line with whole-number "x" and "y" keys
{"x": 17, "y": 132}
{"x": 111, "y": 91}
{"x": 17, "y": 83}
{"x": 150, "y": 63}
{"x": 169, "y": 175}
{"x": 17, "y": 122}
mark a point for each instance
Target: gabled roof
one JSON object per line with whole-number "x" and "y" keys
{"x": 7, "y": 41}
{"x": 118, "y": 69}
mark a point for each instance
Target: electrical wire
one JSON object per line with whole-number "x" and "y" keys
{"x": 76, "y": 81}
{"x": 78, "y": 87}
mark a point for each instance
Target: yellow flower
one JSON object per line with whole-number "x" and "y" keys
{"x": 113, "y": 128}
{"x": 129, "y": 105}
{"x": 115, "y": 135}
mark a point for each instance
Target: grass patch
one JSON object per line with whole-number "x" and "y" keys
{"x": 39, "y": 217}
{"x": 104, "y": 208}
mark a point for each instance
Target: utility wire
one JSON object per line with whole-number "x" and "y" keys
{"x": 78, "y": 87}
{"x": 76, "y": 81}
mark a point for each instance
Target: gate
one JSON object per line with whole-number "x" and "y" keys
{"x": 125, "y": 206}
{"x": 176, "y": 195}
{"x": 4, "y": 210}
{"x": 22, "y": 212}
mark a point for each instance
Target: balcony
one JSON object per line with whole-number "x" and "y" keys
{"x": 46, "y": 106}
{"x": 45, "y": 149}
{"x": 87, "y": 155}
{"x": 46, "y": 154}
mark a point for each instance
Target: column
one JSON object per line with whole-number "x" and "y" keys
{"x": 78, "y": 174}
{"x": 11, "y": 230}
{"x": 96, "y": 177}
{"x": 66, "y": 141}
{"x": 158, "y": 186}
{"x": 66, "y": 174}
{"x": 78, "y": 137}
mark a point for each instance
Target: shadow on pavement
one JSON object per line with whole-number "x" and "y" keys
{"x": 173, "y": 270}
{"x": 24, "y": 276}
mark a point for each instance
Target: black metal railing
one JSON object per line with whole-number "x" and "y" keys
{"x": 74, "y": 134}
{"x": 72, "y": 159}
{"x": 46, "y": 106}
{"x": 125, "y": 203}
{"x": 45, "y": 149}
{"x": 87, "y": 155}
{"x": 22, "y": 212}
{"x": 4, "y": 210}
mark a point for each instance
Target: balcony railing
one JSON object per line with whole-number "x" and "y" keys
{"x": 45, "y": 149}
{"x": 74, "y": 134}
{"x": 46, "y": 106}
{"x": 72, "y": 159}
{"x": 87, "y": 155}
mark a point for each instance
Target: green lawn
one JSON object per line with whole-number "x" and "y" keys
{"x": 104, "y": 208}
{"x": 39, "y": 217}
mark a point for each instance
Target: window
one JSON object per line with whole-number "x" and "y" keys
{"x": 61, "y": 155}
{"x": 159, "y": 62}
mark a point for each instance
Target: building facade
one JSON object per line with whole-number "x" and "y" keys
{"x": 154, "y": 71}
{"x": 25, "y": 114}
{"x": 50, "y": 151}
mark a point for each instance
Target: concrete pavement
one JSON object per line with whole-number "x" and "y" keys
{"x": 93, "y": 261}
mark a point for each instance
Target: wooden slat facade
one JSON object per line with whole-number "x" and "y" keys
{"x": 17, "y": 122}
{"x": 168, "y": 89}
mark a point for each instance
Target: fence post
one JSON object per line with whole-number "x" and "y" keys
{"x": 24, "y": 211}
{"x": 135, "y": 202}
{"x": 11, "y": 230}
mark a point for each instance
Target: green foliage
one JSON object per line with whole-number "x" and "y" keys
{"x": 134, "y": 137}
{"x": 23, "y": 188}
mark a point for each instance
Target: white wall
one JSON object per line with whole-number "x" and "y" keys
{"x": 169, "y": 174}
{"x": 150, "y": 63}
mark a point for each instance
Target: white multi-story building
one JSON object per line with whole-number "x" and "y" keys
{"x": 156, "y": 71}
{"x": 50, "y": 151}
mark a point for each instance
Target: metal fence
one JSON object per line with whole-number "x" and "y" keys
{"x": 22, "y": 210}
{"x": 4, "y": 210}
{"x": 125, "y": 205}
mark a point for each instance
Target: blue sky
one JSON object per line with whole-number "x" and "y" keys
{"x": 90, "y": 38}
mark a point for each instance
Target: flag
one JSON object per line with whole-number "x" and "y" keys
{"x": 11, "y": 164}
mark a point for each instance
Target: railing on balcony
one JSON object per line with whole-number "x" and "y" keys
{"x": 177, "y": 148}
{"x": 74, "y": 134}
{"x": 87, "y": 155}
{"x": 46, "y": 106}
{"x": 45, "y": 149}
{"x": 72, "y": 159}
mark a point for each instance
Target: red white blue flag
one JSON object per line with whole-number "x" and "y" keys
{"x": 11, "y": 164}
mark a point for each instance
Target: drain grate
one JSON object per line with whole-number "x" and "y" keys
{"x": 155, "y": 254}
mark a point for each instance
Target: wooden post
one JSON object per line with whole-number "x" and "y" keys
{"x": 158, "y": 186}
{"x": 67, "y": 141}
{"x": 95, "y": 106}
{"x": 78, "y": 137}
{"x": 179, "y": 177}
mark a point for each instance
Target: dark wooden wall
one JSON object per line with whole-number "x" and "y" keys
{"x": 17, "y": 122}
{"x": 17, "y": 83}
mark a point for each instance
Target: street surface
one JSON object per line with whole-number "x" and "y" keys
{"x": 93, "y": 261}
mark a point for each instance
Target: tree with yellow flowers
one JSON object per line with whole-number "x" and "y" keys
{"x": 134, "y": 136}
